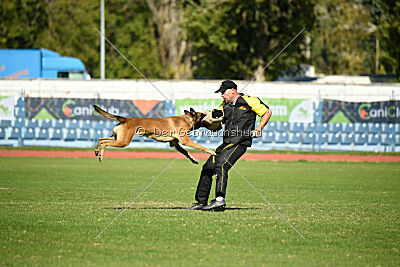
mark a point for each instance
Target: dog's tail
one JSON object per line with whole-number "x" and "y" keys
{"x": 108, "y": 115}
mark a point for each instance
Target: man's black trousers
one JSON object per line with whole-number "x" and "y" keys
{"x": 226, "y": 156}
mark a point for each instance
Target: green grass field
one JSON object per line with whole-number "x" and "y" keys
{"x": 52, "y": 209}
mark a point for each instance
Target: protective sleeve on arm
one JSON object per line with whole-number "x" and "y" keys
{"x": 256, "y": 105}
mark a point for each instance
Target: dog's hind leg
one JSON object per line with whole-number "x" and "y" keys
{"x": 175, "y": 145}
{"x": 123, "y": 139}
{"x": 96, "y": 151}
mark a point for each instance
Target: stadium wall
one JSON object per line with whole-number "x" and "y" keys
{"x": 306, "y": 116}
{"x": 199, "y": 89}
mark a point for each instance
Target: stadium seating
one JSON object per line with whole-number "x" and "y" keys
{"x": 110, "y": 124}
{"x": 2, "y": 133}
{"x": 60, "y": 123}
{"x": 138, "y": 139}
{"x": 84, "y": 135}
{"x": 32, "y": 123}
{"x": 323, "y": 138}
{"x": 349, "y": 139}
{"x": 282, "y": 138}
{"x": 71, "y": 135}
{"x": 97, "y": 134}
{"x": 73, "y": 124}
{"x": 86, "y": 125}
{"x": 309, "y": 139}
{"x": 30, "y": 134}
{"x": 57, "y": 134}
{"x": 268, "y": 137}
{"x": 5, "y": 123}
{"x": 215, "y": 137}
{"x": 309, "y": 127}
{"x": 100, "y": 124}
{"x": 46, "y": 123}
{"x": 271, "y": 127}
{"x": 346, "y": 136}
{"x": 297, "y": 127}
{"x": 374, "y": 139}
{"x": 375, "y": 128}
{"x": 44, "y": 134}
{"x": 388, "y": 128}
{"x": 397, "y": 127}
{"x": 348, "y": 128}
{"x": 19, "y": 123}
{"x": 361, "y": 128}
{"x": 148, "y": 140}
{"x": 335, "y": 139}
{"x": 335, "y": 127}
{"x": 323, "y": 128}
{"x": 282, "y": 127}
{"x": 295, "y": 138}
{"x": 362, "y": 139}
{"x": 15, "y": 134}
{"x": 195, "y": 136}
{"x": 388, "y": 139}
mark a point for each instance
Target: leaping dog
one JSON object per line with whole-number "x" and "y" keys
{"x": 170, "y": 129}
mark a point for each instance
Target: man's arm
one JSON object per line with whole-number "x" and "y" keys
{"x": 264, "y": 120}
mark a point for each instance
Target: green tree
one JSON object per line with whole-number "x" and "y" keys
{"x": 22, "y": 23}
{"x": 68, "y": 27}
{"x": 343, "y": 40}
{"x": 129, "y": 25}
{"x": 174, "y": 48}
{"x": 71, "y": 31}
{"x": 236, "y": 39}
{"x": 389, "y": 30}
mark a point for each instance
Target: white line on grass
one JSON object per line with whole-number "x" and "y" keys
{"x": 144, "y": 189}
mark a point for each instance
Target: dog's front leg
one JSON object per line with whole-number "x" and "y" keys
{"x": 175, "y": 145}
{"x": 185, "y": 140}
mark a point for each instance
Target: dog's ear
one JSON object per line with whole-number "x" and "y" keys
{"x": 186, "y": 112}
{"x": 194, "y": 114}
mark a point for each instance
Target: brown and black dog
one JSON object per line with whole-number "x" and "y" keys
{"x": 170, "y": 129}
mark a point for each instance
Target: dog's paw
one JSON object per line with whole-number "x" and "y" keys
{"x": 100, "y": 158}
{"x": 96, "y": 153}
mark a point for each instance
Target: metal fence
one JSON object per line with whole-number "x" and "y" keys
{"x": 282, "y": 135}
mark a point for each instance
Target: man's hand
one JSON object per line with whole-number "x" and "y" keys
{"x": 255, "y": 133}
{"x": 264, "y": 120}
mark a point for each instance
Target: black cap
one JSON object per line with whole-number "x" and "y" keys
{"x": 228, "y": 84}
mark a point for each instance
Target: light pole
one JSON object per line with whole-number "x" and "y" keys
{"x": 102, "y": 42}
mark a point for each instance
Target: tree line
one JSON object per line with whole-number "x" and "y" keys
{"x": 212, "y": 39}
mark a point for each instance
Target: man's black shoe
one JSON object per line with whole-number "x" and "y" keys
{"x": 197, "y": 206}
{"x": 215, "y": 205}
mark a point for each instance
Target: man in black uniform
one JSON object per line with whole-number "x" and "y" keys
{"x": 240, "y": 112}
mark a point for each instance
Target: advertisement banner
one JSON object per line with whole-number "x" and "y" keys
{"x": 81, "y": 109}
{"x": 285, "y": 110}
{"x": 6, "y": 107}
{"x": 335, "y": 111}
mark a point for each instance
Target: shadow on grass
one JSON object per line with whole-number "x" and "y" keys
{"x": 180, "y": 208}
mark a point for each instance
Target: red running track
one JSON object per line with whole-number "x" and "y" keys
{"x": 170, "y": 155}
